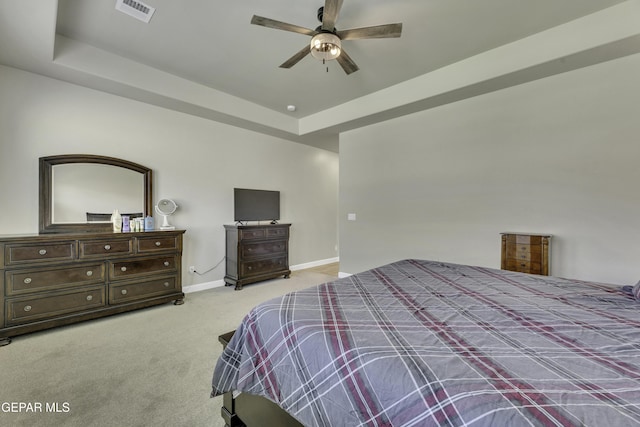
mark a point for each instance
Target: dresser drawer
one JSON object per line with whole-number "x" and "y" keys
{"x": 250, "y": 268}
{"x": 34, "y": 280}
{"x": 524, "y": 266}
{"x": 128, "y": 292}
{"x": 28, "y": 309}
{"x": 157, "y": 244}
{"x": 249, "y": 250}
{"x": 105, "y": 248}
{"x": 252, "y": 234}
{"x": 274, "y": 232}
{"x": 143, "y": 266}
{"x": 16, "y": 254}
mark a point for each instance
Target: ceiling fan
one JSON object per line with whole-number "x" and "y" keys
{"x": 326, "y": 39}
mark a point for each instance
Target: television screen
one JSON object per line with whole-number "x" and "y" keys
{"x": 256, "y": 205}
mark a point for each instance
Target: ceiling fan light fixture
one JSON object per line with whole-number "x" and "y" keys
{"x": 325, "y": 46}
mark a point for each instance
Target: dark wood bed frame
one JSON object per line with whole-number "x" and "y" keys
{"x": 250, "y": 410}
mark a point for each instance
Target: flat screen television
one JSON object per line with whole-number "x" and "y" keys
{"x": 256, "y": 205}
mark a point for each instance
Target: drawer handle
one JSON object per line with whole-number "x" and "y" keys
{"x": 523, "y": 257}
{"x": 89, "y": 273}
{"x": 158, "y": 243}
{"x": 89, "y": 297}
{"x": 107, "y": 247}
{"x": 249, "y": 268}
{"x": 523, "y": 265}
{"x": 249, "y": 249}
{"x": 166, "y": 284}
{"x": 167, "y": 264}
{"x": 27, "y": 308}
{"x": 123, "y": 268}
{"x": 42, "y": 251}
{"x": 27, "y": 280}
{"x": 123, "y": 292}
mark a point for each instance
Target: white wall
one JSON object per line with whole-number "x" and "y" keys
{"x": 558, "y": 155}
{"x": 196, "y": 162}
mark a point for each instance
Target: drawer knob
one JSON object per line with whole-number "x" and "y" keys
{"x": 27, "y": 308}
{"x": 107, "y": 247}
{"x": 166, "y": 284}
{"x": 158, "y": 243}
{"x": 249, "y": 249}
{"x": 27, "y": 280}
{"x": 166, "y": 264}
{"x": 123, "y": 268}
{"x": 123, "y": 292}
{"x": 249, "y": 268}
{"x": 89, "y": 273}
{"x": 42, "y": 251}
{"x": 89, "y": 297}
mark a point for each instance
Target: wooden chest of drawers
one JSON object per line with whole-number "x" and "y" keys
{"x": 526, "y": 253}
{"x": 58, "y": 279}
{"x": 256, "y": 252}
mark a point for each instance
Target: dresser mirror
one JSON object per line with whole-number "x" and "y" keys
{"x": 78, "y": 192}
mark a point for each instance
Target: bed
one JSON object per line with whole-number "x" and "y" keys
{"x": 424, "y": 343}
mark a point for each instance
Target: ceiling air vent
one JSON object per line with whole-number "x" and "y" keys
{"x": 137, "y": 9}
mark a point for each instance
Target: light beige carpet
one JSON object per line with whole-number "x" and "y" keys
{"x": 151, "y": 367}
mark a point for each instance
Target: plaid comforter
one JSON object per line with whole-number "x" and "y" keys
{"x": 421, "y": 343}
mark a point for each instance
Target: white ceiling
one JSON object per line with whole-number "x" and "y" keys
{"x": 203, "y": 57}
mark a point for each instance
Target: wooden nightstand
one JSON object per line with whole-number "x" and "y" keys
{"x": 526, "y": 253}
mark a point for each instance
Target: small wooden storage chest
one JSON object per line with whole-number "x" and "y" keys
{"x": 526, "y": 253}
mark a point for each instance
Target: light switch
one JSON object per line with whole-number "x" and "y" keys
{"x": 351, "y": 217}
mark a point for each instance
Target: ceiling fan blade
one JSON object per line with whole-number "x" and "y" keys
{"x": 347, "y": 63}
{"x": 330, "y": 14}
{"x": 376, "y": 32}
{"x": 296, "y": 58}
{"x": 278, "y": 25}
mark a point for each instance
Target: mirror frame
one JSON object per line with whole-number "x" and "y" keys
{"x": 46, "y": 170}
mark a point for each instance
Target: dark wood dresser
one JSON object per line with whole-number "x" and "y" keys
{"x": 526, "y": 253}
{"x": 49, "y": 280}
{"x": 256, "y": 252}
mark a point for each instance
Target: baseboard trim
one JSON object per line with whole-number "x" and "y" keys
{"x": 202, "y": 286}
{"x": 218, "y": 283}
{"x": 314, "y": 264}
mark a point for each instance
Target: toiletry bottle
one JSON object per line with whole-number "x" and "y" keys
{"x": 116, "y": 219}
{"x": 148, "y": 223}
{"x": 125, "y": 224}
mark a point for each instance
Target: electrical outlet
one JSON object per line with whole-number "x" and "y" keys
{"x": 192, "y": 269}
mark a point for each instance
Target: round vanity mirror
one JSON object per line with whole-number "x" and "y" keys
{"x": 166, "y": 207}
